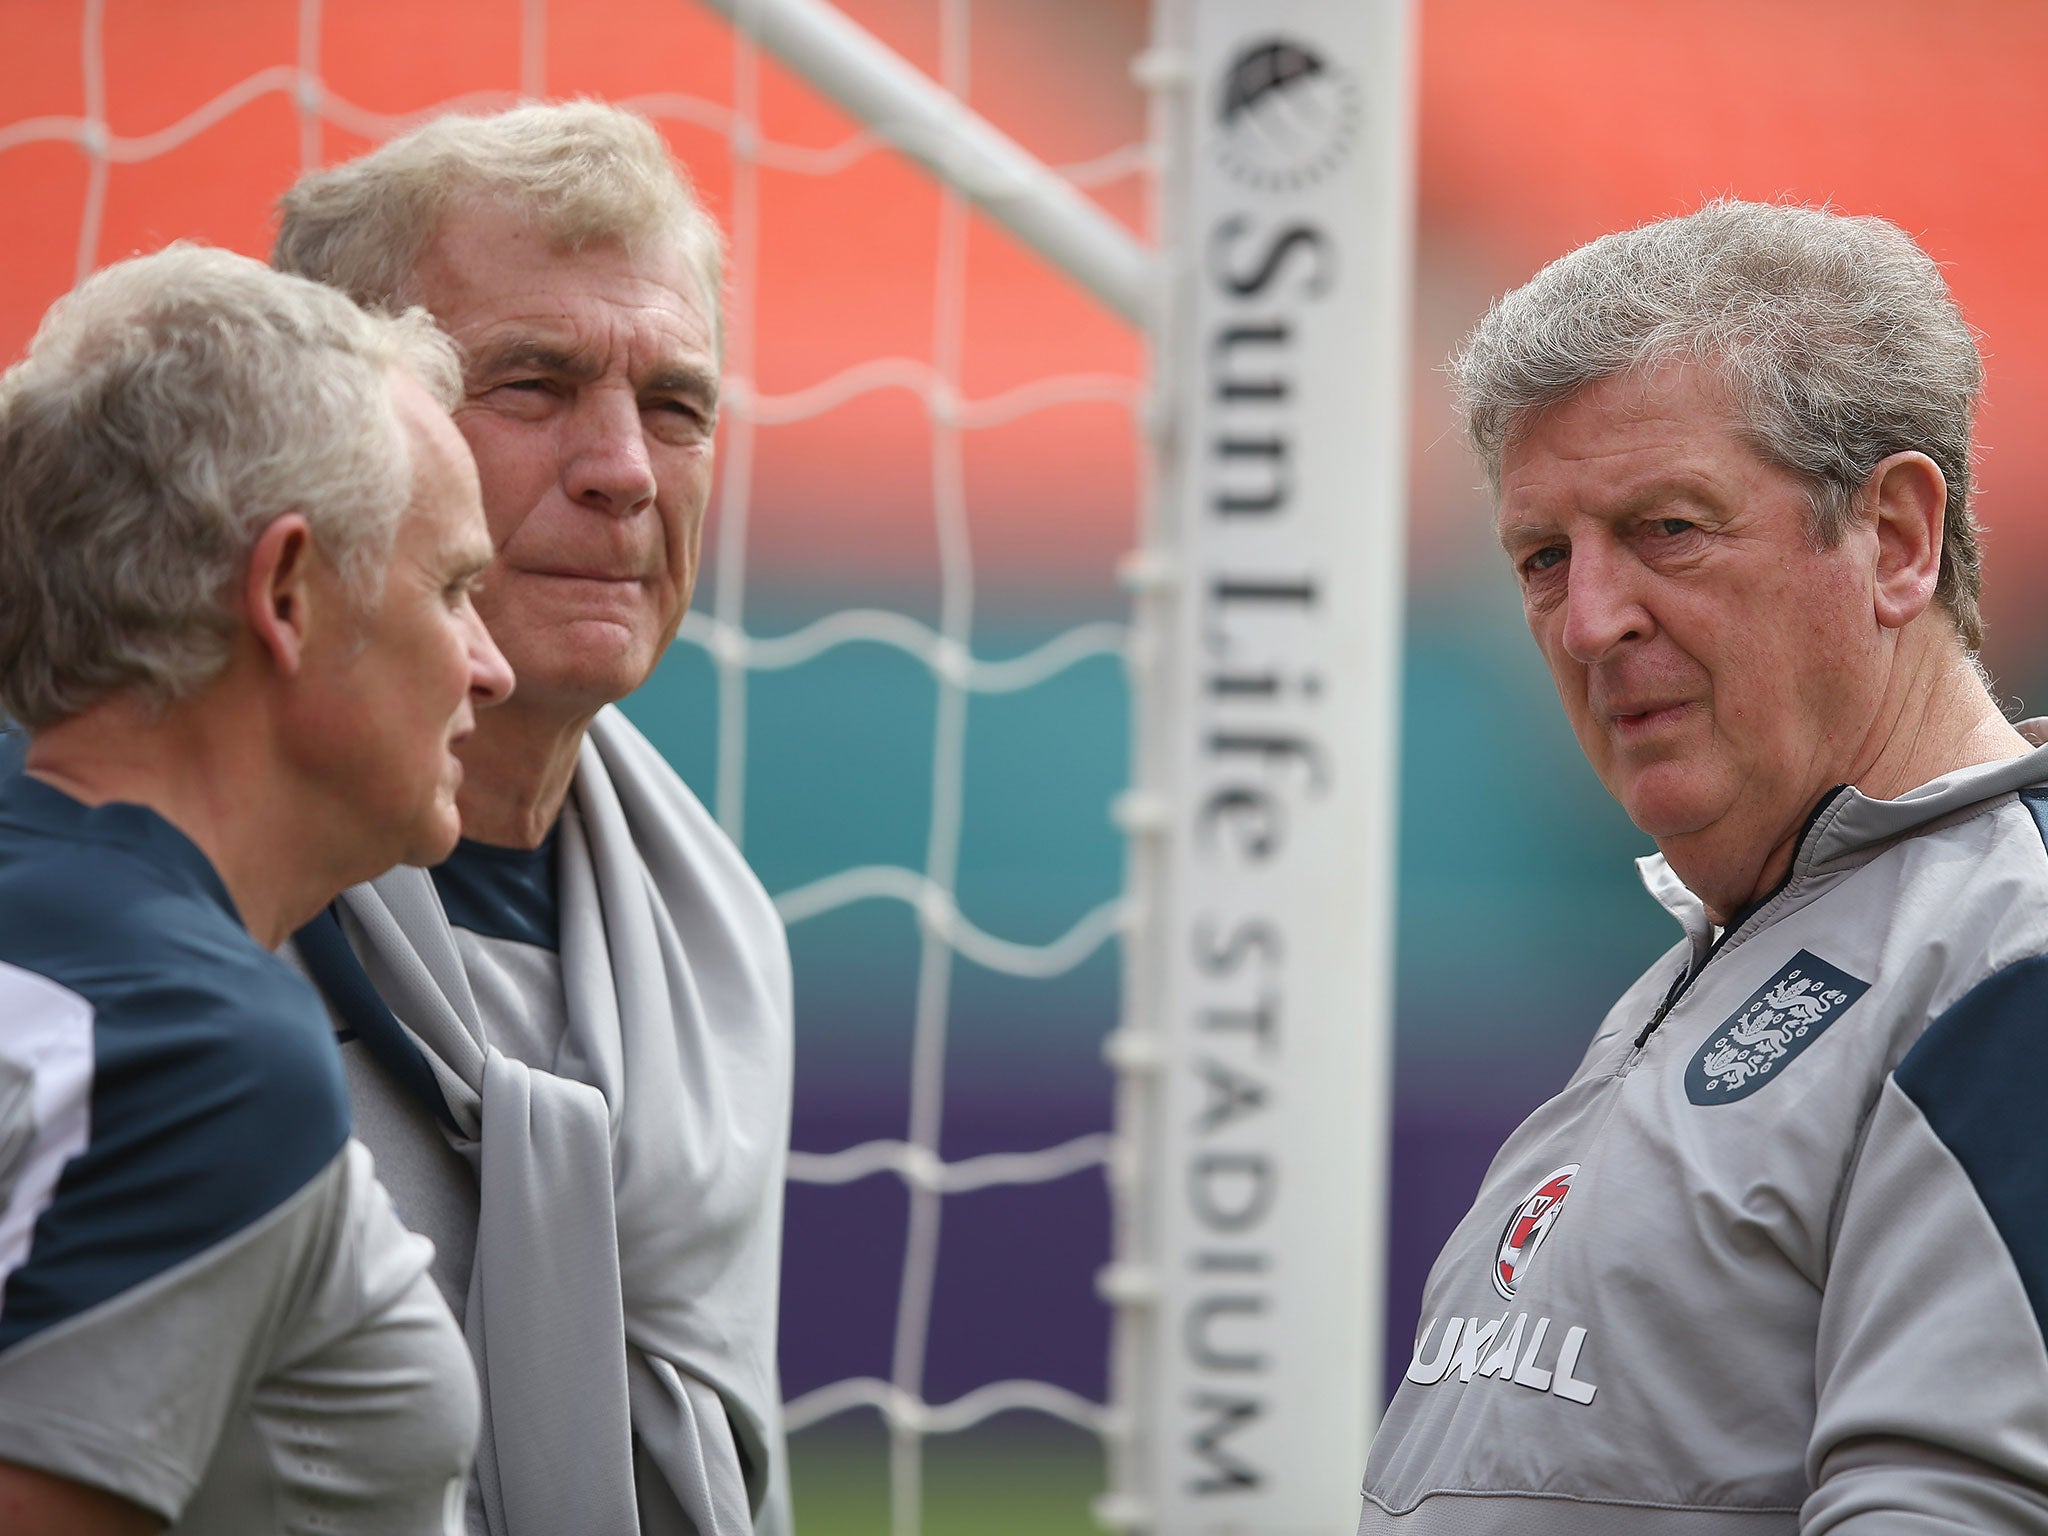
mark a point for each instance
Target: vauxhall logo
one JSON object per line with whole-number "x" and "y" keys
{"x": 1288, "y": 116}
{"x": 1528, "y": 1227}
{"x": 1481, "y": 1348}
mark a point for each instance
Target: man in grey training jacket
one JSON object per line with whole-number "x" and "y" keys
{"x": 569, "y": 1045}
{"x": 1773, "y": 1260}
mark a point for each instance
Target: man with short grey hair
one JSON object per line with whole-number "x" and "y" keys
{"x": 1771, "y": 1261}
{"x": 570, "y": 1045}
{"x": 238, "y": 536}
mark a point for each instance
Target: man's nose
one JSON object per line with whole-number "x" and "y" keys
{"x": 1603, "y": 606}
{"x": 605, "y": 461}
{"x": 490, "y": 674}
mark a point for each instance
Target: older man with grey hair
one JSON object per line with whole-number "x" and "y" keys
{"x": 238, "y": 534}
{"x": 1773, "y": 1260}
{"x": 570, "y": 1046}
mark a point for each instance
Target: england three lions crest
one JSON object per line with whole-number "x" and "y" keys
{"x": 1758, "y": 1040}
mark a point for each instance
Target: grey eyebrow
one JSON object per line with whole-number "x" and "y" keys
{"x": 540, "y": 356}
{"x": 1644, "y": 498}
{"x": 1515, "y": 531}
{"x": 691, "y": 383}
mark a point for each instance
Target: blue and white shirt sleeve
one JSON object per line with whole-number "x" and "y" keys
{"x": 167, "y": 1182}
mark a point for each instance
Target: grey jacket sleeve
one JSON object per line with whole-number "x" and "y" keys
{"x": 1932, "y": 1372}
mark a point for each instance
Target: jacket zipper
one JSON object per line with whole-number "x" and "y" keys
{"x": 1691, "y": 974}
{"x": 1742, "y": 920}
{"x": 1671, "y": 997}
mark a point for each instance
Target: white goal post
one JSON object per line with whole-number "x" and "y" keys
{"x": 1251, "y": 1152}
{"x": 1253, "y": 1132}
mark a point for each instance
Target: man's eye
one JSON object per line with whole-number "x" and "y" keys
{"x": 1546, "y": 558}
{"x": 1672, "y": 527}
{"x": 491, "y": 387}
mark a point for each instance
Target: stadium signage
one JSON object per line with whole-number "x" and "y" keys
{"x": 1262, "y": 763}
{"x": 1285, "y": 505}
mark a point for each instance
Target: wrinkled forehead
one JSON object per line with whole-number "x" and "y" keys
{"x": 1686, "y": 398}
{"x": 503, "y": 287}
{"x": 1705, "y": 392}
{"x": 654, "y": 238}
{"x": 1624, "y": 442}
{"x": 444, "y": 489}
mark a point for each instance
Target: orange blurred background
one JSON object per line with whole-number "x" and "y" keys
{"x": 1540, "y": 126}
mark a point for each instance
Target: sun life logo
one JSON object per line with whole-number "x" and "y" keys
{"x": 1288, "y": 115}
{"x": 1528, "y": 1227}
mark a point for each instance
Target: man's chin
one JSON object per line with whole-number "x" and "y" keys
{"x": 433, "y": 844}
{"x": 1663, "y": 809}
{"x": 582, "y": 689}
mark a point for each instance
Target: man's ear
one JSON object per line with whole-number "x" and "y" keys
{"x": 1908, "y": 496}
{"x": 277, "y": 591}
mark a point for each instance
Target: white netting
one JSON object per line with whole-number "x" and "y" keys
{"x": 717, "y": 625}
{"x": 929, "y": 892}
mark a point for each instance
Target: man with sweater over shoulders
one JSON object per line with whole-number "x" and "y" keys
{"x": 569, "y": 1046}
{"x": 1771, "y": 1261}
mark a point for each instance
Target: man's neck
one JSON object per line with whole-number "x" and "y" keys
{"x": 516, "y": 770}
{"x": 195, "y": 765}
{"x": 1936, "y": 717}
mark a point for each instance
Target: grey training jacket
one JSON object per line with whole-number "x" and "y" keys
{"x": 1783, "y": 1266}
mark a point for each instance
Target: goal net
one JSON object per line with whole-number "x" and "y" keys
{"x": 1051, "y": 700}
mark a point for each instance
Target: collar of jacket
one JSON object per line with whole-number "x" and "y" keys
{"x": 1848, "y": 827}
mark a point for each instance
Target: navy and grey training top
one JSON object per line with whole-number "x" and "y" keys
{"x": 207, "y": 1304}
